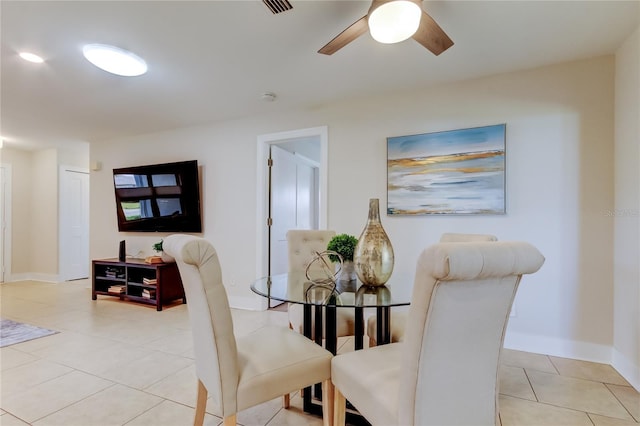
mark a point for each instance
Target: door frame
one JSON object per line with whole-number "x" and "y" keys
{"x": 264, "y": 144}
{"x": 5, "y": 205}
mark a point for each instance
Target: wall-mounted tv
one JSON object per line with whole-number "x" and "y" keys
{"x": 158, "y": 198}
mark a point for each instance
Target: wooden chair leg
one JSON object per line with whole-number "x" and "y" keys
{"x": 201, "y": 405}
{"x": 327, "y": 403}
{"x": 339, "y": 407}
{"x": 230, "y": 420}
{"x": 286, "y": 400}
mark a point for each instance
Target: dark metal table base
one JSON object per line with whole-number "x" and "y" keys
{"x": 352, "y": 417}
{"x": 383, "y": 336}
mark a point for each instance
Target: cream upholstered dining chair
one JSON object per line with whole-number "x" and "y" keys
{"x": 398, "y": 320}
{"x": 445, "y": 371}
{"x": 302, "y": 246}
{"x": 252, "y": 369}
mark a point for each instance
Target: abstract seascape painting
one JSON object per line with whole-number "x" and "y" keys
{"x": 452, "y": 172}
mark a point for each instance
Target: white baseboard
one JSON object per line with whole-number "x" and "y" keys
{"x": 558, "y": 347}
{"x": 626, "y": 368}
{"x": 249, "y": 303}
{"x": 34, "y": 276}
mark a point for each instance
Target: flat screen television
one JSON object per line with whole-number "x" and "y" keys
{"x": 158, "y": 198}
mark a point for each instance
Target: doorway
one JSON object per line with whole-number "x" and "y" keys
{"x": 292, "y": 193}
{"x": 294, "y": 196}
{"x": 74, "y": 224}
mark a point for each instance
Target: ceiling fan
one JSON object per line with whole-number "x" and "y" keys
{"x": 391, "y": 21}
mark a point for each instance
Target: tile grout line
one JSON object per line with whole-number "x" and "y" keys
{"x": 75, "y": 402}
{"x": 606, "y": 385}
{"x": 535, "y": 395}
{"x": 586, "y": 380}
{"x": 144, "y": 412}
{"x": 554, "y": 365}
{"x": 590, "y": 419}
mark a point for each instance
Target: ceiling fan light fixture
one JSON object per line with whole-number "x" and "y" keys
{"x": 115, "y": 60}
{"x": 394, "y": 21}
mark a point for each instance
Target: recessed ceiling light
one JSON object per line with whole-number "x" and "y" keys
{"x": 115, "y": 60}
{"x": 31, "y": 57}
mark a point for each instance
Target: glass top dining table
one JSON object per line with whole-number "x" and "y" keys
{"x": 294, "y": 288}
{"x": 324, "y": 298}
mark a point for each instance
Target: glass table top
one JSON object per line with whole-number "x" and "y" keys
{"x": 298, "y": 289}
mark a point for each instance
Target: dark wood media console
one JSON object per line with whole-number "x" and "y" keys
{"x": 150, "y": 283}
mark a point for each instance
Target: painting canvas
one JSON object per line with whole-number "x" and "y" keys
{"x": 452, "y": 172}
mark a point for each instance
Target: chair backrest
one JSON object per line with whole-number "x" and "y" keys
{"x": 460, "y": 305}
{"x": 450, "y": 237}
{"x": 210, "y": 316}
{"x": 302, "y": 245}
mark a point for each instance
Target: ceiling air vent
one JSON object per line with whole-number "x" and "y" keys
{"x": 278, "y": 6}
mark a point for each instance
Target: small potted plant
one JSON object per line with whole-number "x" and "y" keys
{"x": 344, "y": 245}
{"x": 157, "y": 247}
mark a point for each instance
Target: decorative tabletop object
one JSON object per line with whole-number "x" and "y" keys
{"x": 157, "y": 247}
{"x": 319, "y": 270}
{"x": 373, "y": 255}
{"x": 321, "y": 287}
{"x": 344, "y": 245}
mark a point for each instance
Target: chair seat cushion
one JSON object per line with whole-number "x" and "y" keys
{"x": 370, "y": 380}
{"x": 274, "y": 361}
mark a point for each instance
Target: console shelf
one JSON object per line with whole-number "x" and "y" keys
{"x": 126, "y": 280}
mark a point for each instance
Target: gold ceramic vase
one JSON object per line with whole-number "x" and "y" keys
{"x": 373, "y": 255}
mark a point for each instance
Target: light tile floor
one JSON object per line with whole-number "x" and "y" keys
{"x": 118, "y": 363}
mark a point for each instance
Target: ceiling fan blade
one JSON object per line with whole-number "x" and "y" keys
{"x": 354, "y": 31}
{"x": 431, "y": 36}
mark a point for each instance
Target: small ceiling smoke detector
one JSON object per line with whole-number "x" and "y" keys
{"x": 268, "y": 97}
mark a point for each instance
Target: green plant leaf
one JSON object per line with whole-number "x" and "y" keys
{"x": 343, "y": 244}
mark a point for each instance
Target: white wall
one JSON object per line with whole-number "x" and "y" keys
{"x": 74, "y": 156}
{"x": 34, "y": 208}
{"x": 626, "y": 335}
{"x": 559, "y": 184}
{"x": 44, "y": 216}
{"x": 21, "y": 166}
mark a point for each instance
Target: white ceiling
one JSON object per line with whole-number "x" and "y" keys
{"x": 211, "y": 60}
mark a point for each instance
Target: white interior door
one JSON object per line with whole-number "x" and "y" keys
{"x": 293, "y": 202}
{"x": 74, "y": 224}
{"x": 283, "y": 206}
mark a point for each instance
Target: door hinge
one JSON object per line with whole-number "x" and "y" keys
{"x": 270, "y": 162}
{"x": 269, "y": 221}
